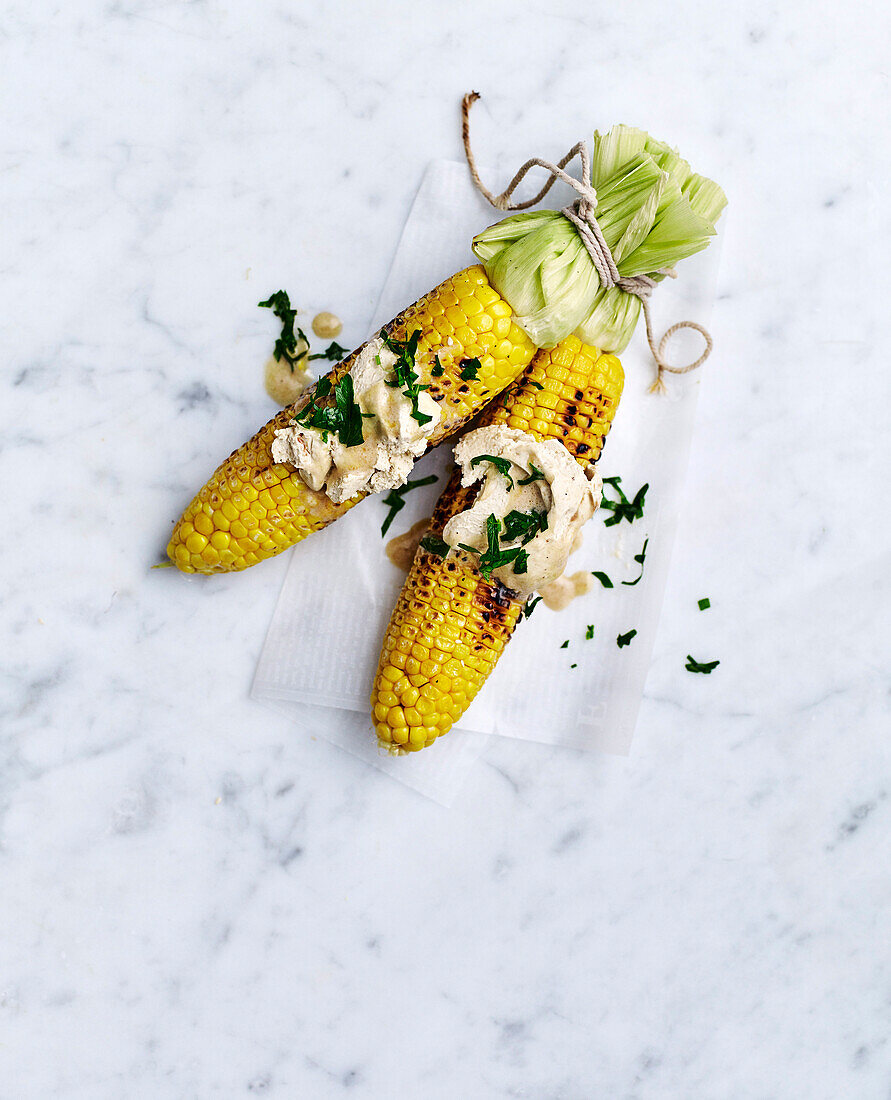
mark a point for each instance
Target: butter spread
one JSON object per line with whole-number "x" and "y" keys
{"x": 559, "y": 594}
{"x": 561, "y": 488}
{"x": 393, "y": 438}
{"x": 401, "y": 549}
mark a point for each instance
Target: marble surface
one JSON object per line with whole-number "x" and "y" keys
{"x": 198, "y": 901}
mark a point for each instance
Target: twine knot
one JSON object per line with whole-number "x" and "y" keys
{"x": 581, "y": 213}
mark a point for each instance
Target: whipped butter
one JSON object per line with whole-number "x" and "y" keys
{"x": 562, "y": 489}
{"x": 393, "y": 438}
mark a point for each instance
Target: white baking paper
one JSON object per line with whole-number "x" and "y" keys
{"x": 322, "y": 648}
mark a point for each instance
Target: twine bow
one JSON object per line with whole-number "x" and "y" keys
{"x": 581, "y": 214}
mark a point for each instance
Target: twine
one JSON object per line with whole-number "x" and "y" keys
{"x": 581, "y": 214}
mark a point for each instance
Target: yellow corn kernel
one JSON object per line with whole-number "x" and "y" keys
{"x": 195, "y": 543}
{"x": 203, "y": 524}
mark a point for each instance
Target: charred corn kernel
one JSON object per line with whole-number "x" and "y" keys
{"x": 454, "y": 321}
{"x": 569, "y": 393}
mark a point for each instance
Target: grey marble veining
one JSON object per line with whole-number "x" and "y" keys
{"x": 198, "y": 901}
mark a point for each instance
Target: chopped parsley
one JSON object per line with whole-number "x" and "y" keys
{"x": 535, "y": 475}
{"x": 622, "y": 508}
{"x": 640, "y": 559}
{"x": 589, "y": 633}
{"x": 704, "y": 603}
{"x": 433, "y": 544}
{"x": 500, "y": 464}
{"x": 344, "y": 417}
{"x": 405, "y": 375}
{"x": 470, "y": 369}
{"x": 574, "y": 666}
{"x": 693, "y": 665}
{"x": 395, "y": 498}
{"x": 334, "y": 352}
{"x": 437, "y": 370}
{"x": 524, "y": 525}
{"x": 286, "y": 345}
{"x": 625, "y": 639}
{"x": 603, "y": 578}
{"x": 493, "y": 557}
{"x": 528, "y": 606}
{"x": 537, "y": 385}
{"x": 565, "y": 644}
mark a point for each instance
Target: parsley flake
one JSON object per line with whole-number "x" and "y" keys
{"x": 622, "y": 508}
{"x": 405, "y": 375}
{"x": 529, "y": 606}
{"x": 693, "y": 665}
{"x": 287, "y": 344}
{"x": 395, "y": 499}
{"x": 433, "y": 544}
{"x": 334, "y": 352}
{"x": 604, "y": 579}
{"x": 501, "y": 464}
{"x": 535, "y": 475}
{"x": 640, "y": 559}
{"x": 437, "y": 370}
{"x": 524, "y": 525}
{"x": 625, "y": 639}
{"x": 537, "y": 385}
{"x": 493, "y": 557}
{"x": 344, "y": 417}
{"x": 470, "y": 370}
{"x": 589, "y": 633}
{"x": 704, "y": 603}
{"x": 574, "y": 666}
{"x": 565, "y": 644}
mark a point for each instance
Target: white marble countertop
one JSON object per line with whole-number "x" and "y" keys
{"x": 198, "y": 901}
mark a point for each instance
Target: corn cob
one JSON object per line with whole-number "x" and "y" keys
{"x": 449, "y": 626}
{"x": 253, "y": 508}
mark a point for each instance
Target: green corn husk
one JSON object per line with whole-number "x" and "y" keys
{"x": 652, "y": 210}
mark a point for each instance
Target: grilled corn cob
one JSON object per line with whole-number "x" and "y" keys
{"x": 449, "y": 626}
{"x": 253, "y": 508}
